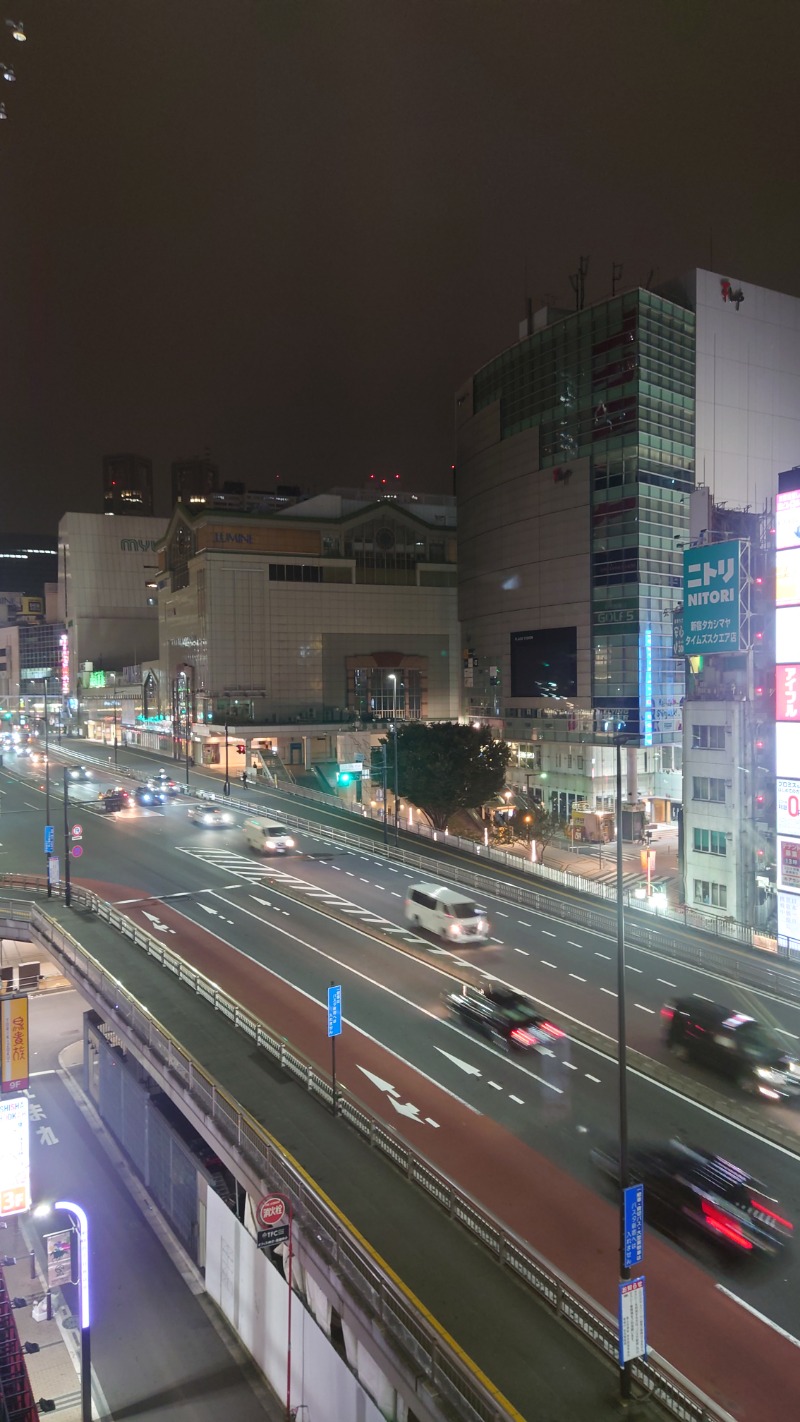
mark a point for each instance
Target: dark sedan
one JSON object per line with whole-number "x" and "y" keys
{"x": 116, "y": 799}
{"x": 506, "y": 1017}
{"x": 690, "y": 1194}
{"x": 150, "y": 795}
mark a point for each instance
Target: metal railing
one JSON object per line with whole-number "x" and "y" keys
{"x": 444, "y": 1369}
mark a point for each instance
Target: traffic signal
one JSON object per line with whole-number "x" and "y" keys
{"x": 344, "y": 777}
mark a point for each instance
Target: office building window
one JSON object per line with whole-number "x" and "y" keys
{"x": 710, "y": 841}
{"x": 715, "y": 895}
{"x": 708, "y": 738}
{"x": 708, "y": 787}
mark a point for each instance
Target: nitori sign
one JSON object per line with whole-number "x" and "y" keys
{"x": 711, "y": 598}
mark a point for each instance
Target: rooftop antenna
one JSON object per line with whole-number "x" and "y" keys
{"x": 578, "y": 283}
{"x": 616, "y": 273}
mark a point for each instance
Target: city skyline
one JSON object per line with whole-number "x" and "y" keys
{"x": 288, "y": 238}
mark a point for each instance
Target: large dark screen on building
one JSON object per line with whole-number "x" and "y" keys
{"x": 545, "y": 663}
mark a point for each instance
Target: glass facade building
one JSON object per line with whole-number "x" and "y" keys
{"x": 610, "y": 389}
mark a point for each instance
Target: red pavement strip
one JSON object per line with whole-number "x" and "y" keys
{"x": 745, "y": 1366}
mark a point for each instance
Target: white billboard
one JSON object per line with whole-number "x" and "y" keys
{"x": 787, "y": 750}
{"x": 788, "y": 807}
{"x": 789, "y": 918}
{"x": 15, "y": 1171}
{"x": 787, "y": 520}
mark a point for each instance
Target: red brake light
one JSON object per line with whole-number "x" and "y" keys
{"x": 762, "y": 1210}
{"x": 668, "y": 1012}
{"x": 520, "y": 1035}
{"x": 551, "y": 1029}
{"x": 723, "y": 1225}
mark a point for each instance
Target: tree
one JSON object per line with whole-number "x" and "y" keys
{"x": 444, "y": 767}
{"x": 545, "y": 826}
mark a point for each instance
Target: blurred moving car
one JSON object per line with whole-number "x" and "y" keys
{"x": 115, "y": 799}
{"x": 78, "y": 772}
{"x": 506, "y": 1017}
{"x": 38, "y": 757}
{"x": 267, "y": 837}
{"x": 691, "y": 1194}
{"x": 150, "y": 795}
{"x": 448, "y": 913}
{"x": 164, "y": 782}
{"x": 733, "y": 1043}
{"x": 210, "y": 817}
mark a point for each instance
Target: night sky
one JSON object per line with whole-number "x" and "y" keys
{"x": 285, "y": 232}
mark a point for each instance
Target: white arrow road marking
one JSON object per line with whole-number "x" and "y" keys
{"x": 405, "y": 1108}
{"x": 47, "y": 1135}
{"x": 465, "y": 1066}
{"x": 266, "y": 902}
{"x": 379, "y": 1082}
{"x": 157, "y": 924}
{"x": 207, "y": 909}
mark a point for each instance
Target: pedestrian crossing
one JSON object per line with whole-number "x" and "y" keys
{"x": 266, "y": 871}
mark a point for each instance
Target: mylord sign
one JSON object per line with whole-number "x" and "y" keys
{"x": 711, "y": 598}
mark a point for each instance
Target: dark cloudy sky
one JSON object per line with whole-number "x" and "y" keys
{"x": 287, "y": 231}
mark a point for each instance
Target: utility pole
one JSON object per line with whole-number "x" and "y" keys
{"x": 624, "y": 1272}
{"x": 396, "y": 788}
{"x": 385, "y": 778}
{"x": 227, "y": 786}
{"x": 67, "y": 857}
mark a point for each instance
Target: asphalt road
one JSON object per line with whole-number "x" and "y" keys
{"x": 558, "y": 1107}
{"x": 155, "y": 1350}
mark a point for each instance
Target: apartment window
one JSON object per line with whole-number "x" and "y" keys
{"x": 710, "y": 841}
{"x": 716, "y": 895}
{"x": 708, "y": 738}
{"x": 708, "y": 787}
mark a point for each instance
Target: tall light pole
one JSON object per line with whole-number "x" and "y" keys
{"x": 47, "y": 852}
{"x": 115, "y": 735}
{"x": 396, "y": 788}
{"x": 80, "y": 1225}
{"x": 67, "y": 855}
{"x": 227, "y": 787}
{"x": 624, "y": 1271}
{"x": 393, "y": 680}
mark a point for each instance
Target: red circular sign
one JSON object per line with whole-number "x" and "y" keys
{"x": 270, "y": 1210}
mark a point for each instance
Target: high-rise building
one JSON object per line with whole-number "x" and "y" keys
{"x": 127, "y": 484}
{"x": 787, "y": 711}
{"x": 194, "y": 481}
{"x": 577, "y": 451}
{"x": 27, "y": 562}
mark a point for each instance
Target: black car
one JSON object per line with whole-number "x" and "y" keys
{"x": 150, "y": 795}
{"x": 164, "y": 783}
{"x": 691, "y": 1194}
{"x": 116, "y": 799}
{"x": 733, "y": 1043}
{"x": 78, "y": 772}
{"x": 506, "y": 1017}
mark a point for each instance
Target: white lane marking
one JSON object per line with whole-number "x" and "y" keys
{"x": 571, "y": 1065}
{"x": 501, "y": 915}
{"x": 666, "y": 982}
{"x": 701, "y": 995}
{"x": 523, "y": 924}
{"x": 523, "y": 951}
{"x": 365, "y": 881}
{"x": 395, "y": 894}
{"x": 762, "y": 1317}
{"x": 547, "y": 934}
{"x": 465, "y": 1066}
{"x": 429, "y": 1121}
{"x": 607, "y": 956}
{"x": 517, "y": 1099}
{"x": 574, "y": 945}
{"x": 608, "y": 992}
{"x": 784, "y": 1033}
{"x": 577, "y": 977}
{"x": 499, "y": 941}
{"x": 495, "y": 1085}
{"x": 546, "y": 964}
{"x": 349, "y": 873}
{"x": 631, "y": 968}
{"x": 589, "y": 1077}
{"x": 642, "y": 1008}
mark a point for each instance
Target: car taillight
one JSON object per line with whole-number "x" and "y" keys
{"x": 668, "y": 1012}
{"x": 723, "y": 1225}
{"x": 524, "y": 1038}
{"x": 762, "y": 1212}
{"x": 551, "y": 1029}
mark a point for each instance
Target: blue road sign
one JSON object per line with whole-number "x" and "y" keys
{"x": 634, "y": 1225}
{"x": 334, "y": 1011}
{"x": 49, "y": 839}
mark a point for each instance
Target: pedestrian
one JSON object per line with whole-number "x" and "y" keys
{"x": 244, "y": 779}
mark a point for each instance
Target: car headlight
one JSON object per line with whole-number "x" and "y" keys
{"x": 768, "y": 1074}
{"x": 289, "y": 843}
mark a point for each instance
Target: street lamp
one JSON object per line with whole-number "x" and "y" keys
{"x": 227, "y": 786}
{"x": 47, "y": 852}
{"x": 115, "y": 735}
{"x": 80, "y": 1224}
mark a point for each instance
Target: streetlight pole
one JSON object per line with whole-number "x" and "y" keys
{"x": 115, "y": 735}
{"x": 624, "y": 1271}
{"x": 396, "y": 789}
{"x": 67, "y": 858}
{"x": 383, "y": 768}
{"x": 227, "y": 788}
{"x": 48, "y": 852}
{"x": 80, "y": 1225}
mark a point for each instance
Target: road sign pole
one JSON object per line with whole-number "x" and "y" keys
{"x": 334, "y": 1030}
{"x": 67, "y": 857}
{"x": 624, "y": 1271}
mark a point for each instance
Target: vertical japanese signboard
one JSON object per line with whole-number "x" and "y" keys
{"x": 14, "y": 1044}
{"x": 712, "y": 598}
{"x": 15, "y": 1172}
{"x": 787, "y": 716}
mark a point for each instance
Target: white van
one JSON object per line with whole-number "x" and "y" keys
{"x": 266, "y": 837}
{"x": 446, "y": 912}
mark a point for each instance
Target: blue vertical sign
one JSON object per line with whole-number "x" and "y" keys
{"x": 334, "y": 1011}
{"x": 634, "y": 1225}
{"x": 49, "y": 839}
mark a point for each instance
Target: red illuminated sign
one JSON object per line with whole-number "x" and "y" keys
{"x": 787, "y": 693}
